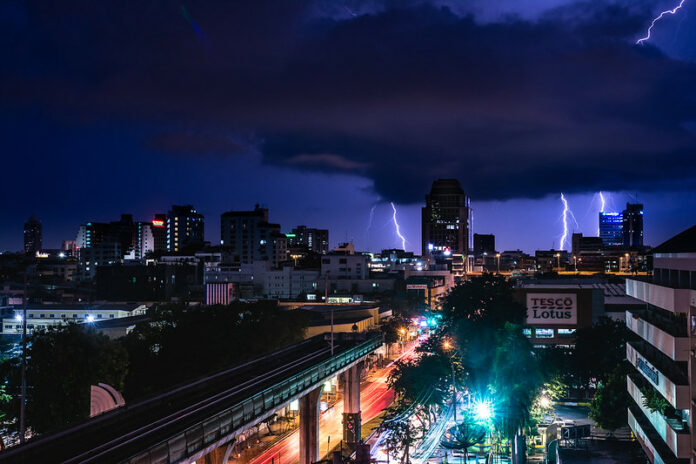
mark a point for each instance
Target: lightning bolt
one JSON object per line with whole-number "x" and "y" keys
{"x": 566, "y": 213}
{"x": 372, "y": 216}
{"x": 398, "y": 229}
{"x": 601, "y": 208}
{"x": 659, "y": 17}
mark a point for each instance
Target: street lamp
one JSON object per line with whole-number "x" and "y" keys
{"x": 558, "y": 261}
{"x": 497, "y": 255}
{"x": 447, "y": 346}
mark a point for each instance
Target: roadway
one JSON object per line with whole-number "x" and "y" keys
{"x": 375, "y": 396}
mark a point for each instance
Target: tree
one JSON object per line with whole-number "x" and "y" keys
{"x": 464, "y": 435}
{"x": 485, "y": 300}
{"x": 599, "y": 349}
{"x": 183, "y": 343}
{"x": 400, "y": 431}
{"x": 63, "y": 363}
{"x": 609, "y": 405}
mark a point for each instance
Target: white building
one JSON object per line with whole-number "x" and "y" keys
{"x": 46, "y": 316}
{"x": 663, "y": 359}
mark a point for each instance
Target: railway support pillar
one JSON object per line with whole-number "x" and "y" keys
{"x": 351, "y": 406}
{"x": 309, "y": 427}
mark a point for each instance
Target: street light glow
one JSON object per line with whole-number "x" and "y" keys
{"x": 483, "y": 410}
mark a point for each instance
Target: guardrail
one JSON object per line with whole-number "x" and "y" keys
{"x": 234, "y": 419}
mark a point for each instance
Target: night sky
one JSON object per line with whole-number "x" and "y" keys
{"x": 321, "y": 110}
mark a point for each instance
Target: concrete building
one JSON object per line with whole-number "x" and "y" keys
{"x": 289, "y": 283}
{"x": 44, "y": 316}
{"x": 185, "y": 227}
{"x": 664, "y": 357}
{"x": 33, "y": 237}
{"x": 310, "y": 239}
{"x": 632, "y": 225}
{"x": 446, "y": 219}
{"x": 344, "y": 263}
{"x": 556, "y": 310}
{"x": 252, "y": 238}
{"x": 484, "y": 243}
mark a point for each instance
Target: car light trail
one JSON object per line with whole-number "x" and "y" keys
{"x": 398, "y": 229}
{"x": 673, "y": 11}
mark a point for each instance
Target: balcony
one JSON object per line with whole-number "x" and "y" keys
{"x": 675, "y": 300}
{"x": 654, "y": 447}
{"x": 667, "y": 376}
{"x": 671, "y": 430}
{"x": 667, "y": 335}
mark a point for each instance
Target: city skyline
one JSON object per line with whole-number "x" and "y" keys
{"x": 222, "y": 115}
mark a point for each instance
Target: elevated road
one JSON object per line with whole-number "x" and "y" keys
{"x": 190, "y": 421}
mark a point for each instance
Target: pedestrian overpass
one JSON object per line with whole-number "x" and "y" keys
{"x": 198, "y": 421}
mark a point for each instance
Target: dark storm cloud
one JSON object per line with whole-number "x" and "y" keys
{"x": 514, "y": 108}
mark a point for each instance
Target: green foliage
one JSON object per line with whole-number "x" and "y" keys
{"x": 464, "y": 435}
{"x": 184, "y": 343}
{"x": 655, "y": 402}
{"x": 64, "y": 362}
{"x": 609, "y": 405}
{"x": 599, "y": 349}
{"x": 485, "y": 300}
{"x": 401, "y": 431}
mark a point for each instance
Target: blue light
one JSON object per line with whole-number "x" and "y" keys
{"x": 483, "y": 410}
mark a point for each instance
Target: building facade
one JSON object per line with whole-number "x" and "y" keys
{"x": 184, "y": 227}
{"x": 632, "y": 225}
{"x": 250, "y": 236}
{"x": 446, "y": 219}
{"x": 309, "y": 238}
{"x": 611, "y": 229}
{"x": 663, "y": 358}
{"x": 484, "y": 243}
{"x": 33, "y": 236}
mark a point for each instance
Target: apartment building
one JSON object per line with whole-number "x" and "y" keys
{"x": 663, "y": 358}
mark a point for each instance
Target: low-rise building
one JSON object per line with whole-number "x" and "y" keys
{"x": 46, "y": 316}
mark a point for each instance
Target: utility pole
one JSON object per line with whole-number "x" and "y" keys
{"x": 326, "y": 301}
{"x": 22, "y": 404}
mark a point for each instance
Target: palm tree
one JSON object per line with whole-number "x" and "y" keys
{"x": 464, "y": 435}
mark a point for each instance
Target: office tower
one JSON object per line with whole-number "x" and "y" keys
{"x": 159, "y": 232}
{"x": 611, "y": 229}
{"x": 69, "y": 247}
{"x": 311, "y": 239}
{"x": 251, "y": 237}
{"x": 32, "y": 236}
{"x": 446, "y": 219}
{"x": 633, "y": 225}
{"x": 184, "y": 227}
{"x": 484, "y": 243}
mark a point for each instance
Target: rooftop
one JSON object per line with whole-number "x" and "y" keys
{"x": 684, "y": 242}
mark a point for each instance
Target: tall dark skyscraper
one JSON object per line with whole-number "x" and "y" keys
{"x": 633, "y": 225}
{"x": 611, "y": 229}
{"x": 184, "y": 227}
{"x": 446, "y": 219}
{"x": 33, "y": 240}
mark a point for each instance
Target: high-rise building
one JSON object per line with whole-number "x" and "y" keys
{"x": 611, "y": 229}
{"x": 311, "y": 239}
{"x": 633, "y": 225}
{"x": 484, "y": 243}
{"x": 151, "y": 236}
{"x": 250, "y": 236}
{"x": 446, "y": 219}
{"x": 184, "y": 227}
{"x": 32, "y": 236}
{"x": 662, "y": 353}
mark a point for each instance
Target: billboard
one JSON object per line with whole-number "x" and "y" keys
{"x": 552, "y": 308}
